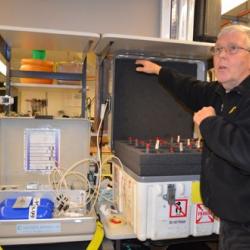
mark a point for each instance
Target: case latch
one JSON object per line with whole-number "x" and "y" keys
{"x": 170, "y": 196}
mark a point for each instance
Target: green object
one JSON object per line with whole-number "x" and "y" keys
{"x": 38, "y": 54}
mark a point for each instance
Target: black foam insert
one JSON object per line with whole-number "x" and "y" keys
{"x": 142, "y": 108}
{"x": 158, "y": 164}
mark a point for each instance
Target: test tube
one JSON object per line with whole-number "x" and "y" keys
{"x": 157, "y": 144}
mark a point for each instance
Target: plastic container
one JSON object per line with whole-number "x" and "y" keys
{"x": 41, "y": 212}
{"x": 37, "y": 209}
{"x": 41, "y": 202}
{"x": 29, "y": 64}
{"x": 69, "y": 67}
{"x": 38, "y": 54}
{"x": 38, "y": 62}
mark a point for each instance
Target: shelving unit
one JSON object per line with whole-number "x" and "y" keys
{"x": 68, "y": 228}
{"x": 49, "y": 40}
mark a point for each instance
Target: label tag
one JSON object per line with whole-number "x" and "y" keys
{"x": 32, "y": 212}
{"x": 203, "y": 215}
{"x": 22, "y": 202}
{"x": 41, "y": 149}
{"x": 36, "y": 201}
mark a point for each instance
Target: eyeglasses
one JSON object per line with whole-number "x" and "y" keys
{"x": 230, "y": 49}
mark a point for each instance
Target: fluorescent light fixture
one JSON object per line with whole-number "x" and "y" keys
{"x": 3, "y": 68}
{"x": 227, "y": 5}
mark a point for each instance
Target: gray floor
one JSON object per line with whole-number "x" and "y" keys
{"x": 158, "y": 245}
{"x": 123, "y": 245}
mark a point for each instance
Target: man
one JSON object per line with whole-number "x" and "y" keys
{"x": 222, "y": 112}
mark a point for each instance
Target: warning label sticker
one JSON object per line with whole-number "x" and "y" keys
{"x": 203, "y": 215}
{"x": 179, "y": 209}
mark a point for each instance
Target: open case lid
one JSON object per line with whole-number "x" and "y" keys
{"x": 49, "y": 39}
{"x": 155, "y": 46}
{"x": 140, "y": 106}
{"x": 29, "y": 147}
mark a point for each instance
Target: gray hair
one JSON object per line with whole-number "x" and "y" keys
{"x": 238, "y": 28}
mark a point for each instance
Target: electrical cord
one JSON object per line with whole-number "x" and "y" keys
{"x": 58, "y": 176}
{"x": 99, "y": 158}
{"x": 61, "y": 183}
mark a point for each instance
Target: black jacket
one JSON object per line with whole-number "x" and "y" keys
{"x": 225, "y": 167}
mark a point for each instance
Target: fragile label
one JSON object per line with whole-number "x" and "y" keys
{"x": 203, "y": 215}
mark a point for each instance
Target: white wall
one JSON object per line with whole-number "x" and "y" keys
{"x": 132, "y": 17}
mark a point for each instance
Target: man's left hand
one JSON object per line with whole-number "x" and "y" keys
{"x": 203, "y": 113}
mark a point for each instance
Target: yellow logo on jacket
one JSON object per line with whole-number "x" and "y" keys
{"x": 233, "y": 109}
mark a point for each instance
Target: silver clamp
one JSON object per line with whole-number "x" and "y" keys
{"x": 6, "y": 100}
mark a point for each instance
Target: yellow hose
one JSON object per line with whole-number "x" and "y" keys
{"x": 98, "y": 236}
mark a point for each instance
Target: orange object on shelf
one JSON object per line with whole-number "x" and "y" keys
{"x": 37, "y": 62}
{"x": 36, "y": 65}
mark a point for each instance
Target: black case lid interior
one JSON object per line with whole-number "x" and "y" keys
{"x": 141, "y": 106}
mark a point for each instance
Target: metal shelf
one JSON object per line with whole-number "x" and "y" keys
{"x": 49, "y": 86}
{"x": 113, "y": 43}
{"x": 48, "y": 39}
{"x": 12, "y": 37}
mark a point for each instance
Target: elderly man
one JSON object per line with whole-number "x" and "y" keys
{"x": 222, "y": 112}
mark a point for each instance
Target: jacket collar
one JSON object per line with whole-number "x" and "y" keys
{"x": 244, "y": 87}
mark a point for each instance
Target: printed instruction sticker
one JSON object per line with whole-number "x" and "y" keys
{"x": 41, "y": 149}
{"x": 179, "y": 209}
{"x": 39, "y": 228}
{"x": 203, "y": 215}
